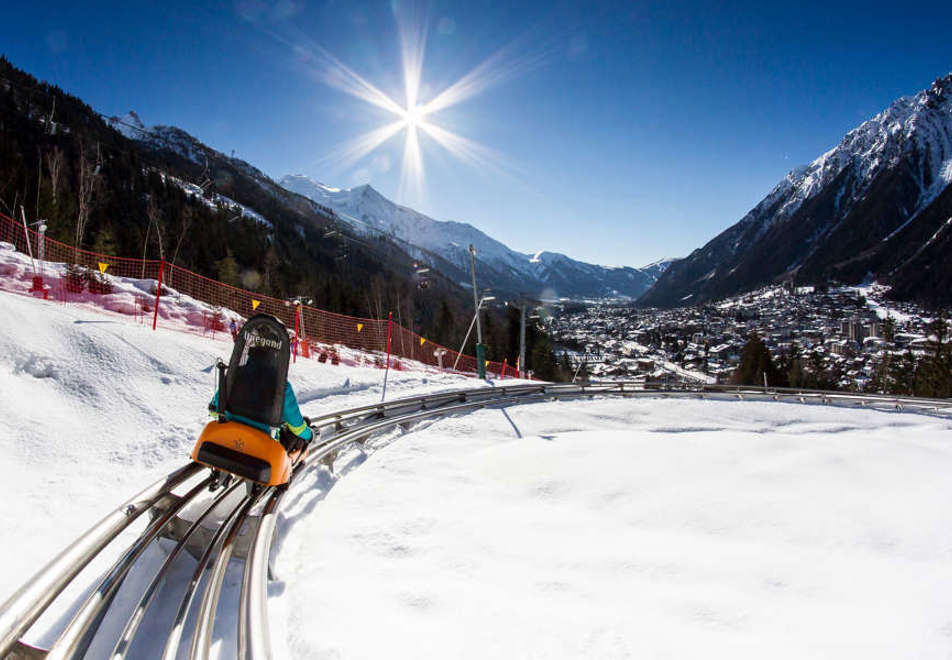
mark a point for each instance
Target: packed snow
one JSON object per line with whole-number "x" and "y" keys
{"x": 96, "y": 406}
{"x": 607, "y": 528}
{"x": 628, "y": 528}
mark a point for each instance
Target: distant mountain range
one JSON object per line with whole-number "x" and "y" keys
{"x": 441, "y": 245}
{"x": 877, "y": 206}
{"x": 445, "y": 246}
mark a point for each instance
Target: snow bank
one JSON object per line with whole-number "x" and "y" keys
{"x": 620, "y": 528}
{"x": 96, "y": 406}
{"x": 629, "y": 528}
{"x": 128, "y": 296}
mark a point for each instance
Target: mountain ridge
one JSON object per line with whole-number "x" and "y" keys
{"x": 840, "y": 217}
{"x": 498, "y": 266}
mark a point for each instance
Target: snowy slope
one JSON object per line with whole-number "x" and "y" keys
{"x": 368, "y": 211}
{"x": 176, "y": 140}
{"x": 95, "y": 406}
{"x": 630, "y": 529}
{"x": 644, "y": 528}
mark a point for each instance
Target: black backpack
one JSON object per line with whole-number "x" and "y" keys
{"x": 253, "y": 384}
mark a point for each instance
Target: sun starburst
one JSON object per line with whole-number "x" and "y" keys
{"x": 415, "y": 117}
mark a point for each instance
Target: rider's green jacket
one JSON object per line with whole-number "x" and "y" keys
{"x": 290, "y": 416}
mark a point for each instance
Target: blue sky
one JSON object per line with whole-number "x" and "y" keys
{"x": 617, "y": 133}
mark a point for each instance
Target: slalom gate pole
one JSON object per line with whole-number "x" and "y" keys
{"x": 158, "y": 292}
{"x": 297, "y": 315}
{"x": 387, "y": 372}
{"x": 26, "y": 233}
{"x": 502, "y": 372}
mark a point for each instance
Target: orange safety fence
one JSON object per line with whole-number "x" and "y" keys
{"x": 191, "y": 302}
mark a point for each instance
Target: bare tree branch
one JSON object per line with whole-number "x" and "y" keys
{"x": 54, "y": 165}
{"x": 88, "y": 184}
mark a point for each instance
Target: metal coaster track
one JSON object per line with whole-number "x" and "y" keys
{"x": 215, "y": 546}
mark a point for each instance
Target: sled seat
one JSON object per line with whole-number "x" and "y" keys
{"x": 244, "y": 451}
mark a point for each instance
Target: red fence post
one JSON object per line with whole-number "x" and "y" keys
{"x": 158, "y": 292}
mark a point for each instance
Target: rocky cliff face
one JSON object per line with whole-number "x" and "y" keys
{"x": 849, "y": 215}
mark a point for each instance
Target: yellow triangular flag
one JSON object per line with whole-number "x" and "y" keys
{"x": 360, "y": 326}
{"x": 255, "y": 303}
{"x": 422, "y": 340}
{"x": 103, "y": 267}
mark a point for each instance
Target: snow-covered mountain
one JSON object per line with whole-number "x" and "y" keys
{"x": 446, "y": 246}
{"x": 875, "y": 205}
{"x": 176, "y": 140}
{"x": 442, "y": 245}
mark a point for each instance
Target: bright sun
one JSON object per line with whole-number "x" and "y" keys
{"x": 411, "y": 116}
{"x": 414, "y": 116}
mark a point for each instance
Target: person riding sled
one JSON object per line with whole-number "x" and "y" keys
{"x": 257, "y": 372}
{"x": 258, "y": 433}
{"x": 295, "y": 431}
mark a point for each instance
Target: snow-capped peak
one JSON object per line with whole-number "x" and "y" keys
{"x": 823, "y": 220}
{"x": 368, "y": 211}
{"x": 920, "y": 122}
{"x": 130, "y": 125}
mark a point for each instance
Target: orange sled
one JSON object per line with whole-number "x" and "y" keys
{"x": 243, "y": 451}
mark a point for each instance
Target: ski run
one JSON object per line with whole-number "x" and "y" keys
{"x": 649, "y": 528}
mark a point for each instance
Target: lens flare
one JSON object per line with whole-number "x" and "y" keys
{"x": 415, "y": 116}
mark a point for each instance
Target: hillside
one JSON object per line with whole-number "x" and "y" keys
{"x": 159, "y": 192}
{"x": 876, "y": 206}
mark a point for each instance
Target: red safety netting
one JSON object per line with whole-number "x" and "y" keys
{"x": 189, "y": 302}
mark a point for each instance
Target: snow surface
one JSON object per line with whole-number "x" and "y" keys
{"x": 96, "y": 406}
{"x": 629, "y": 528}
{"x": 607, "y": 528}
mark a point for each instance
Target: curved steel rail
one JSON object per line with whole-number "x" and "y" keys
{"x": 132, "y": 626}
{"x": 254, "y": 639}
{"x": 25, "y": 606}
{"x": 338, "y": 429}
{"x": 74, "y": 640}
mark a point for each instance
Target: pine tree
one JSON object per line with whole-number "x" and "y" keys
{"x": 565, "y": 368}
{"x": 105, "y": 242}
{"x": 901, "y": 374}
{"x": 227, "y": 269}
{"x": 933, "y": 377}
{"x": 755, "y": 362}
{"x": 445, "y": 324}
